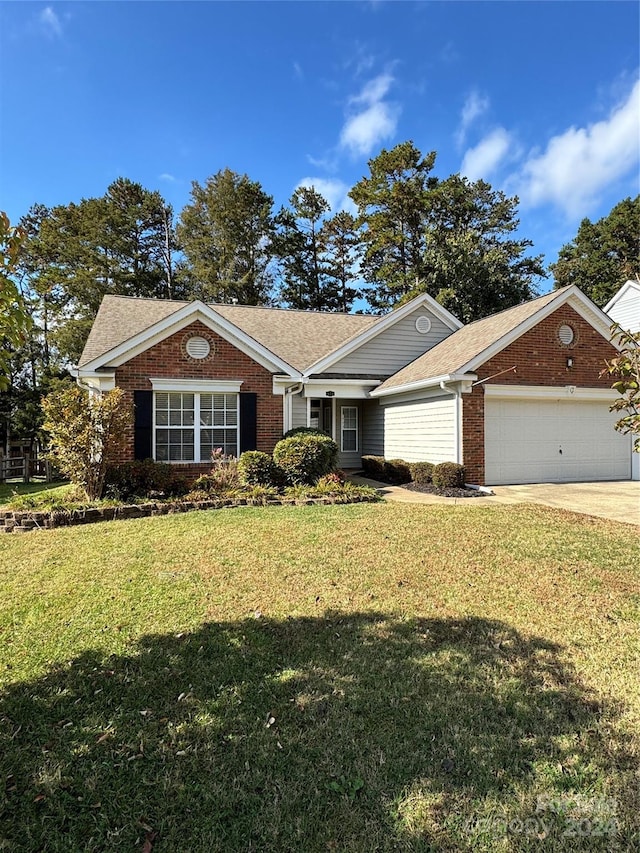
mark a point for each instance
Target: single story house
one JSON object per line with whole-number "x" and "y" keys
{"x": 517, "y": 397}
{"x": 624, "y": 307}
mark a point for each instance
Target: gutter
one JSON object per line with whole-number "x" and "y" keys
{"x": 432, "y": 382}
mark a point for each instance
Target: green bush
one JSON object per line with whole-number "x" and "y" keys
{"x": 305, "y": 431}
{"x": 373, "y": 467}
{"x": 259, "y": 469}
{"x": 448, "y": 475}
{"x": 421, "y": 472}
{"x": 397, "y": 472}
{"x": 143, "y": 478}
{"x": 306, "y": 457}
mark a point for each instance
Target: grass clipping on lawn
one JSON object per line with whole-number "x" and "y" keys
{"x": 359, "y": 678}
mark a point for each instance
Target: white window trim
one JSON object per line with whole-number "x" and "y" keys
{"x": 207, "y": 386}
{"x": 356, "y": 449}
{"x": 203, "y": 388}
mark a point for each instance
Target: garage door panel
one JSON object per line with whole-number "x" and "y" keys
{"x": 553, "y": 440}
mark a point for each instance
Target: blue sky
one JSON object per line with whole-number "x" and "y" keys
{"x": 541, "y": 99}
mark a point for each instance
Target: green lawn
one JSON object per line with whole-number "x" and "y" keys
{"x": 11, "y": 488}
{"x": 349, "y": 678}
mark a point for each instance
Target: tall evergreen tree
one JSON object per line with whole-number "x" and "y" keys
{"x": 299, "y": 248}
{"x": 226, "y": 233}
{"x": 77, "y": 253}
{"x": 603, "y": 254}
{"x": 452, "y": 238}
{"x": 392, "y": 203}
{"x": 342, "y": 251}
{"x": 474, "y": 264}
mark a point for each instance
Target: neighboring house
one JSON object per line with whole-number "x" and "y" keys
{"x": 624, "y": 307}
{"x": 517, "y": 397}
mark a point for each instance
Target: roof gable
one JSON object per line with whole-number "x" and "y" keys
{"x": 288, "y": 340}
{"x": 381, "y": 325}
{"x": 465, "y": 350}
{"x": 629, "y": 287}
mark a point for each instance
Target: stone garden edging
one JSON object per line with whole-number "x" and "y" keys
{"x": 24, "y": 521}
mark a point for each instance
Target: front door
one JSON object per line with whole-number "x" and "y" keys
{"x": 321, "y": 415}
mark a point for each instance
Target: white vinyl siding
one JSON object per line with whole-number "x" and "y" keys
{"x": 372, "y": 429}
{"x": 298, "y": 411}
{"x": 393, "y": 348}
{"x": 189, "y": 426}
{"x": 553, "y": 441}
{"x": 421, "y": 430}
{"x": 626, "y": 311}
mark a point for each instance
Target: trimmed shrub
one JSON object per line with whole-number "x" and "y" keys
{"x": 305, "y": 431}
{"x": 258, "y": 469}
{"x": 305, "y": 458}
{"x": 373, "y": 467}
{"x": 397, "y": 472}
{"x": 421, "y": 472}
{"x": 448, "y": 475}
{"x": 143, "y": 478}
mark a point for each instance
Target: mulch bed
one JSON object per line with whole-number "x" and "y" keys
{"x": 452, "y": 492}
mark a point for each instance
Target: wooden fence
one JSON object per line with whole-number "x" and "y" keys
{"x": 23, "y": 468}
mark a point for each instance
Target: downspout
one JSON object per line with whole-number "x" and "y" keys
{"x": 288, "y": 394}
{"x": 457, "y": 403}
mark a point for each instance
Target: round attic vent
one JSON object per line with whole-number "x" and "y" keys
{"x": 423, "y": 324}
{"x": 565, "y": 333}
{"x": 198, "y": 347}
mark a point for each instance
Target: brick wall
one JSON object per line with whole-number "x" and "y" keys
{"x": 168, "y": 359}
{"x": 540, "y": 359}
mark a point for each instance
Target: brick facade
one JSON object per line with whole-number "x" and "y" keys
{"x": 168, "y": 359}
{"x": 540, "y": 359}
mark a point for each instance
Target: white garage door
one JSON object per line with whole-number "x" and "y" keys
{"x": 553, "y": 441}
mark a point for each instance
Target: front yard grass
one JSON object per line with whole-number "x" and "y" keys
{"x": 343, "y": 678}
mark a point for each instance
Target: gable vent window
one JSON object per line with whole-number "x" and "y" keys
{"x": 565, "y": 333}
{"x": 423, "y": 324}
{"x": 198, "y": 347}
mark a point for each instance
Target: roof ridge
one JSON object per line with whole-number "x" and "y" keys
{"x": 215, "y": 305}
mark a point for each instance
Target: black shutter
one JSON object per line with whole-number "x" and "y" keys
{"x": 248, "y": 422}
{"x": 142, "y": 444}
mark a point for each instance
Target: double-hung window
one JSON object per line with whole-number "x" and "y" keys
{"x": 189, "y": 425}
{"x": 349, "y": 428}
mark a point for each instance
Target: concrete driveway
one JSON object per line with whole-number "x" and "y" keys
{"x": 619, "y": 501}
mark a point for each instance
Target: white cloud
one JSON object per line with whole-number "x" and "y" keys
{"x": 334, "y": 190}
{"x": 374, "y": 119}
{"x": 297, "y": 70}
{"x": 482, "y": 160}
{"x": 474, "y": 106}
{"x": 165, "y": 176}
{"x": 580, "y": 163}
{"x": 50, "y": 22}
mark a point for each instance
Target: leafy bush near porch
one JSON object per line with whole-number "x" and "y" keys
{"x": 143, "y": 478}
{"x": 306, "y": 457}
{"x": 393, "y": 471}
{"x": 448, "y": 475}
{"x": 304, "y": 430}
{"x": 373, "y": 467}
{"x": 258, "y": 469}
{"x": 397, "y": 472}
{"x": 421, "y": 472}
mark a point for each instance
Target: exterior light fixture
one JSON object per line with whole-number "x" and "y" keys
{"x": 569, "y": 362}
